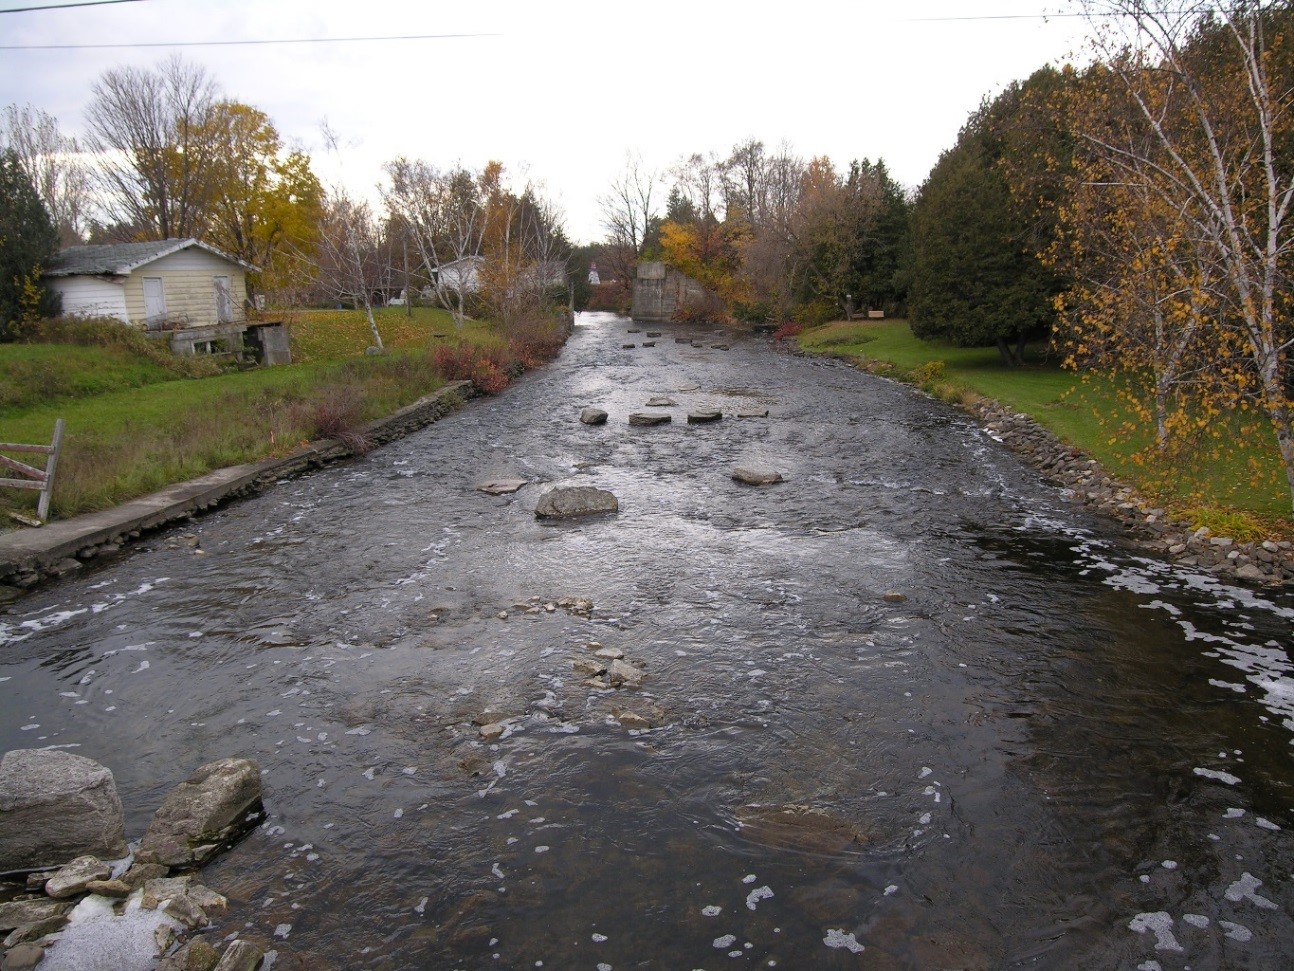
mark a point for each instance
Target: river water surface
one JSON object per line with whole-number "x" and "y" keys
{"x": 1055, "y": 752}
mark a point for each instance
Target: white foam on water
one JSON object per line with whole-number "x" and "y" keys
{"x": 1226, "y": 777}
{"x": 755, "y": 896}
{"x": 1237, "y": 932}
{"x": 839, "y": 939}
{"x": 96, "y": 939}
{"x": 1246, "y": 889}
{"x": 1233, "y": 814}
{"x": 599, "y": 938}
{"x": 711, "y": 910}
{"x": 1267, "y": 824}
{"x": 1161, "y": 925}
{"x": 725, "y": 942}
{"x": 1195, "y": 920}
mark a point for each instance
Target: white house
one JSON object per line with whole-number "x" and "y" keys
{"x": 179, "y": 287}
{"x": 463, "y": 276}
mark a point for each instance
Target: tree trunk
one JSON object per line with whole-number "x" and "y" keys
{"x": 1004, "y": 349}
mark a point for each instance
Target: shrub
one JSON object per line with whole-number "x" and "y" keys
{"x": 816, "y": 312}
{"x": 788, "y": 329}
{"x": 929, "y": 372}
{"x": 1240, "y": 526}
{"x": 337, "y": 412}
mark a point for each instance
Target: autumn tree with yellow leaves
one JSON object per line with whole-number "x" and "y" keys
{"x": 1178, "y": 227}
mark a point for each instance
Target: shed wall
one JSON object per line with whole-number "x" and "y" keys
{"x": 89, "y": 296}
{"x": 188, "y": 282}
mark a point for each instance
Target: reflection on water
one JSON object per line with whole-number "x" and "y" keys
{"x": 1049, "y": 751}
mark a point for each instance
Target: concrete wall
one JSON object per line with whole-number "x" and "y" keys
{"x": 660, "y": 290}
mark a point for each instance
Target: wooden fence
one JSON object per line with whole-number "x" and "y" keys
{"x": 33, "y": 478}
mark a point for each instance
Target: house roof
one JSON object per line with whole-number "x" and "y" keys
{"x": 119, "y": 259}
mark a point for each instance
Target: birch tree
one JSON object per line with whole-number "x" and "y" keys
{"x": 1203, "y": 130}
{"x": 445, "y": 217}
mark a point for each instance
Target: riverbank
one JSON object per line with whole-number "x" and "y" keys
{"x": 32, "y": 556}
{"x": 1266, "y": 559}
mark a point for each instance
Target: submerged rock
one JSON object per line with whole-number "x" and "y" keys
{"x": 501, "y": 487}
{"x": 214, "y": 806}
{"x": 661, "y": 401}
{"x": 55, "y": 807}
{"x": 753, "y": 413}
{"x": 803, "y": 828}
{"x": 568, "y": 502}
{"x": 756, "y": 477}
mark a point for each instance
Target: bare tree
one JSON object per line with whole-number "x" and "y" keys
{"x": 628, "y": 217}
{"x": 54, "y": 164}
{"x": 151, "y": 131}
{"x": 445, "y": 217}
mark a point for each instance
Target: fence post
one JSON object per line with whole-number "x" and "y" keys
{"x": 51, "y": 463}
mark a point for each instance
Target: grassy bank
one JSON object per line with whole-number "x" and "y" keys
{"x": 1233, "y": 485}
{"x": 136, "y": 421}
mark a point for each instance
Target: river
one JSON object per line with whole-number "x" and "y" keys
{"x": 1044, "y": 748}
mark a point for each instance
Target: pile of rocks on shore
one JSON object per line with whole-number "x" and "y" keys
{"x": 76, "y": 884}
{"x": 1267, "y": 561}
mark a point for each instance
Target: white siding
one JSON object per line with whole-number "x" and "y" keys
{"x": 188, "y": 279}
{"x": 89, "y": 296}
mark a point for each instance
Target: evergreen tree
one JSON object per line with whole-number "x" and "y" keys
{"x": 976, "y": 276}
{"x": 28, "y": 239}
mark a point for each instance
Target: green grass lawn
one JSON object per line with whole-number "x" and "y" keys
{"x": 133, "y": 425}
{"x": 1240, "y": 474}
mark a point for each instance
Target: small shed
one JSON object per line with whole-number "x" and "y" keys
{"x": 177, "y": 289}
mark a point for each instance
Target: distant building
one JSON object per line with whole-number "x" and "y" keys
{"x": 593, "y": 274}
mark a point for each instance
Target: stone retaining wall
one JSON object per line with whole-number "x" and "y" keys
{"x": 1084, "y": 481}
{"x": 61, "y": 548}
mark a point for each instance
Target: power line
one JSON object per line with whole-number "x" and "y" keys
{"x": 232, "y": 43}
{"x": 62, "y": 6}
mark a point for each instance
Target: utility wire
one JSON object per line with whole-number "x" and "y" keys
{"x": 233, "y": 43}
{"x": 61, "y": 6}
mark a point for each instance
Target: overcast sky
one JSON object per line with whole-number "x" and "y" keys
{"x": 561, "y": 91}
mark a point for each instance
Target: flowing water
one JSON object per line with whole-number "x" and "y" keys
{"x": 1055, "y": 752}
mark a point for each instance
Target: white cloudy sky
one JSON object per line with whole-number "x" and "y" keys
{"x": 559, "y": 91}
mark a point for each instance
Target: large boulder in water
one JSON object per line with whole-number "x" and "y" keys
{"x": 202, "y": 815}
{"x": 568, "y": 502}
{"x": 55, "y": 807}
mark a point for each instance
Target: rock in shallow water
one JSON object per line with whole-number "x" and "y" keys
{"x": 648, "y": 418}
{"x": 212, "y": 807}
{"x": 593, "y": 416}
{"x": 756, "y": 477}
{"x": 568, "y": 502}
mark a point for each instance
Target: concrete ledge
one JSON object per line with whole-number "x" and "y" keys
{"x": 31, "y": 556}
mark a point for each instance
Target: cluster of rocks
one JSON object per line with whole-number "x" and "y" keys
{"x": 1084, "y": 480}
{"x": 61, "y": 825}
{"x": 575, "y": 606}
{"x": 608, "y": 667}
